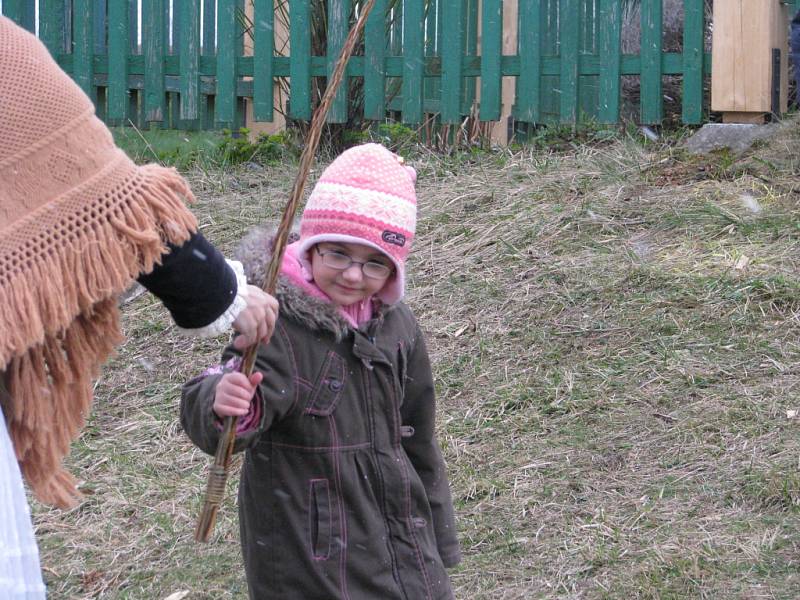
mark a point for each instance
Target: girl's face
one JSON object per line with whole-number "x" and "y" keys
{"x": 339, "y": 269}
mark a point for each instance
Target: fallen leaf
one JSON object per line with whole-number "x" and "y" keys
{"x": 178, "y": 595}
{"x": 791, "y": 414}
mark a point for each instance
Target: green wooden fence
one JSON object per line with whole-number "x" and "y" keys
{"x": 568, "y": 64}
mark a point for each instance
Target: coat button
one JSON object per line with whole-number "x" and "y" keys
{"x": 335, "y": 385}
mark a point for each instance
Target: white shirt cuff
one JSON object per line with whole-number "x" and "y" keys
{"x": 226, "y": 319}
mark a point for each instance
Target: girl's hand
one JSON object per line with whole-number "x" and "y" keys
{"x": 234, "y": 394}
{"x": 257, "y": 321}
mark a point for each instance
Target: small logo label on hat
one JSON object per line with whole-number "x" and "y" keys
{"x": 392, "y": 237}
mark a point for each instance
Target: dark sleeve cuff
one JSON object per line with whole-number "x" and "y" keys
{"x": 194, "y": 282}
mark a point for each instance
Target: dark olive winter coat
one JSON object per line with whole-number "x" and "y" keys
{"x": 343, "y": 491}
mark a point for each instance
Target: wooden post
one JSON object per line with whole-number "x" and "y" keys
{"x": 745, "y": 34}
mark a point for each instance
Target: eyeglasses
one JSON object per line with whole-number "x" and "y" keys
{"x": 342, "y": 262}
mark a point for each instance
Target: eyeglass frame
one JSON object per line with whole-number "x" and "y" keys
{"x": 390, "y": 270}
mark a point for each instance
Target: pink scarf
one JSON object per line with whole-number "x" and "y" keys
{"x": 355, "y": 314}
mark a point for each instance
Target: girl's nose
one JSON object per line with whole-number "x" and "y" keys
{"x": 353, "y": 272}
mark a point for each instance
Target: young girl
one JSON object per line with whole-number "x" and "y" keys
{"x": 343, "y": 492}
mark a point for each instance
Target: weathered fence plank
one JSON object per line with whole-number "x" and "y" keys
{"x": 21, "y": 12}
{"x": 693, "y": 43}
{"x": 153, "y": 46}
{"x": 492, "y": 52}
{"x": 452, "y": 54}
{"x": 51, "y": 25}
{"x": 189, "y": 11}
{"x": 300, "y": 59}
{"x": 569, "y": 25}
{"x": 470, "y": 49}
{"x": 99, "y": 17}
{"x": 82, "y": 34}
{"x": 588, "y": 85}
{"x": 375, "y": 44}
{"x": 338, "y": 21}
{"x": 530, "y": 59}
{"x": 651, "y": 73}
{"x": 610, "y": 27}
{"x": 13, "y": 9}
{"x": 263, "y": 49}
{"x": 432, "y": 86}
{"x": 413, "y": 60}
{"x": 225, "y": 102}
{"x": 118, "y": 44}
{"x": 209, "y": 27}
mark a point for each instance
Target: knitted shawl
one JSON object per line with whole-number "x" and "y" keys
{"x": 78, "y": 222}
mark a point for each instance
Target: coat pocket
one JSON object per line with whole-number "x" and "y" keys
{"x": 328, "y": 387}
{"x": 319, "y": 519}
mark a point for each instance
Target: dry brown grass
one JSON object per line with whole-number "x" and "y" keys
{"x": 616, "y": 342}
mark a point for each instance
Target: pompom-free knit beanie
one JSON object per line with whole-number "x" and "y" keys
{"x": 78, "y": 222}
{"x": 365, "y": 196}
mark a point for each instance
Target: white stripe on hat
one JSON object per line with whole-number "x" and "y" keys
{"x": 379, "y": 206}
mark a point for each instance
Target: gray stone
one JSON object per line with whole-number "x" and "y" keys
{"x": 737, "y": 137}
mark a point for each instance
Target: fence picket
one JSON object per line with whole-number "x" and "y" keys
{"x": 263, "y": 49}
{"x": 13, "y": 9}
{"x": 452, "y": 56}
{"x": 375, "y": 44}
{"x": 136, "y": 104}
{"x": 491, "y": 56}
{"x": 338, "y": 21}
{"x": 470, "y": 49}
{"x": 117, "y": 95}
{"x": 189, "y": 11}
{"x": 432, "y": 86}
{"x": 99, "y": 18}
{"x": 588, "y": 88}
{"x": 569, "y": 28}
{"x": 21, "y": 12}
{"x": 530, "y": 58}
{"x": 300, "y": 59}
{"x": 413, "y": 60}
{"x": 153, "y": 42}
{"x": 693, "y": 43}
{"x": 209, "y": 27}
{"x": 82, "y": 55}
{"x": 650, "y": 79}
{"x": 610, "y": 28}
{"x": 225, "y": 101}
{"x": 51, "y": 25}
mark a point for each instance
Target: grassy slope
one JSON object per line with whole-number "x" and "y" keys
{"x": 615, "y": 341}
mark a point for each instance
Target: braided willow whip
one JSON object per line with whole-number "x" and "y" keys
{"x": 218, "y": 475}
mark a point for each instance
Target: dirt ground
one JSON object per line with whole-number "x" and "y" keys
{"x": 616, "y": 346}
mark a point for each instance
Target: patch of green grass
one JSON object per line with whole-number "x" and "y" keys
{"x": 203, "y": 149}
{"x": 181, "y": 149}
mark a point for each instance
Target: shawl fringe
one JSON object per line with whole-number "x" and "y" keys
{"x": 60, "y": 323}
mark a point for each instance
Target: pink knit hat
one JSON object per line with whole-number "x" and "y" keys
{"x": 365, "y": 196}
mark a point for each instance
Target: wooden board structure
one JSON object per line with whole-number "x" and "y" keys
{"x": 745, "y": 34}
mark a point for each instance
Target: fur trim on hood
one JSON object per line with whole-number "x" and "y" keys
{"x": 255, "y": 251}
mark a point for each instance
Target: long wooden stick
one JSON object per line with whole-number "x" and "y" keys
{"x": 218, "y": 474}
